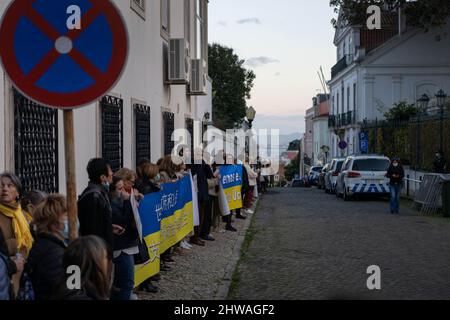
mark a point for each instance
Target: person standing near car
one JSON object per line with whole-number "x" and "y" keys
{"x": 396, "y": 174}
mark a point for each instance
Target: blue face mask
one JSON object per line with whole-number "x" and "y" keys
{"x": 65, "y": 231}
{"x": 106, "y": 186}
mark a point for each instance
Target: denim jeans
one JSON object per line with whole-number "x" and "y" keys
{"x": 123, "y": 277}
{"x": 395, "y": 197}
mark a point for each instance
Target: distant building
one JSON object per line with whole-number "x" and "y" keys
{"x": 321, "y": 135}
{"x": 378, "y": 68}
{"x": 309, "y": 133}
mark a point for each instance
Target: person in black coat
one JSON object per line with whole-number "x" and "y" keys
{"x": 439, "y": 163}
{"x": 45, "y": 259}
{"x": 90, "y": 254}
{"x": 396, "y": 174}
{"x": 94, "y": 208}
{"x": 201, "y": 172}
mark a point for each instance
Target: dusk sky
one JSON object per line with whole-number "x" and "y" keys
{"x": 284, "y": 42}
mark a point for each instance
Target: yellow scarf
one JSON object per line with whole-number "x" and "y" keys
{"x": 20, "y": 226}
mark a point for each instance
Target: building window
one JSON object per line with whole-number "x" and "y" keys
{"x": 343, "y": 100}
{"x": 354, "y": 97}
{"x": 143, "y": 142}
{"x": 337, "y": 110}
{"x": 348, "y": 99}
{"x": 165, "y": 19}
{"x": 190, "y": 129}
{"x": 169, "y": 128}
{"x": 139, "y": 7}
{"x": 112, "y": 131}
{"x": 187, "y": 20}
{"x": 36, "y": 145}
{"x": 201, "y": 35}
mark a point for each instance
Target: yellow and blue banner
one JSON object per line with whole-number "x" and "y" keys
{"x": 231, "y": 180}
{"x": 167, "y": 217}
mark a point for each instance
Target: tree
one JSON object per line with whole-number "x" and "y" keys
{"x": 423, "y": 14}
{"x": 294, "y": 145}
{"x": 292, "y": 169}
{"x": 232, "y": 84}
{"x": 402, "y": 111}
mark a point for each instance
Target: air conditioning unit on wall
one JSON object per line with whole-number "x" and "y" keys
{"x": 198, "y": 78}
{"x": 179, "y": 58}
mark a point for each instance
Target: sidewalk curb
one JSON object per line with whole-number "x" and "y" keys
{"x": 225, "y": 282}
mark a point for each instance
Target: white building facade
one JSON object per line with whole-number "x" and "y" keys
{"x": 379, "y": 68}
{"x": 135, "y": 120}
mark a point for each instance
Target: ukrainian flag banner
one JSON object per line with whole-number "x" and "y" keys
{"x": 167, "y": 217}
{"x": 176, "y": 212}
{"x": 231, "y": 180}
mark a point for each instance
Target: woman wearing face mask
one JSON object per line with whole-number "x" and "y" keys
{"x": 125, "y": 244}
{"x": 30, "y": 202}
{"x": 13, "y": 224}
{"x": 396, "y": 175}
{"x": 52, "y": 235}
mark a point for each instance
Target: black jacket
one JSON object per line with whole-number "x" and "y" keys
{"x": 45, "y": 265}
{"x": 398, "y": 171}
{"x": 245, "y": 182}
{"x": 95, "y": 214}
{"x": 145, "y": 186}
{"x": 203, "y": 173}
{"x": 122, "y": 215}
{"x": 439, "y": 164}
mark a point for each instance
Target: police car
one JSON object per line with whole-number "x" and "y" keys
{"x": 332, "y": 175}
{"x": 364, "y": 174}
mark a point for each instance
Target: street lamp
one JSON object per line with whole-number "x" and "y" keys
{"x": 422, "y": 103}
{"x": 441, "y": 96}
{"x": 251, "y": 114}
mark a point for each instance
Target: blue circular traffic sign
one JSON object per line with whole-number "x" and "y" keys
{"x": 64, "y": 53}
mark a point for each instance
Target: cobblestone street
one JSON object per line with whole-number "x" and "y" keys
{"x": 310, "y": 245}
{"x": 199, "y": 275}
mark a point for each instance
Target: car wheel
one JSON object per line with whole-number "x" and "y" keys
{"x": 345, "y": 195}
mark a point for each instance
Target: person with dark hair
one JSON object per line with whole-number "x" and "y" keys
{"x": 90, "y": 255}
{"x": 13, "y": 224}
{"x": 439, "y": 163}
{"x": 148, "y": 182}
{"x": 52, "y": 234}
{"x": 125, "y": 244}
{"x": 201, "y": 172}
{"x": 396, "y": 175}
{"x": 30, "y": 202}
{"x": 94, "y": 208}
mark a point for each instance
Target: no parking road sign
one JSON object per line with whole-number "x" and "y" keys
{"x": 64, "y": 53}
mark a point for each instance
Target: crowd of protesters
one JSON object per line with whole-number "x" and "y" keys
{"x": 35, "y": 251}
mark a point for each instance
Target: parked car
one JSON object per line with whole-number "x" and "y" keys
{"x": 313, "y": 175}
{"x": 332, "y": 175}
{"x": 321, "y": 182}
{"x": 363, "y": 175}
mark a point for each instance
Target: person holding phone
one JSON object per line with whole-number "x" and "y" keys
{"x": 125, "y": 240}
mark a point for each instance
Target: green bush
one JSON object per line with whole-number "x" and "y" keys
{"x": 402, "y": 111}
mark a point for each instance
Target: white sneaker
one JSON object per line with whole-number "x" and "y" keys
{"x": 134, "y": 297}
{"x": 185, "y": 245}
{"x": 249, "y": 211}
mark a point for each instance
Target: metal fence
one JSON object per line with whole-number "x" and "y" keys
{"x": 414, "y": 140}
